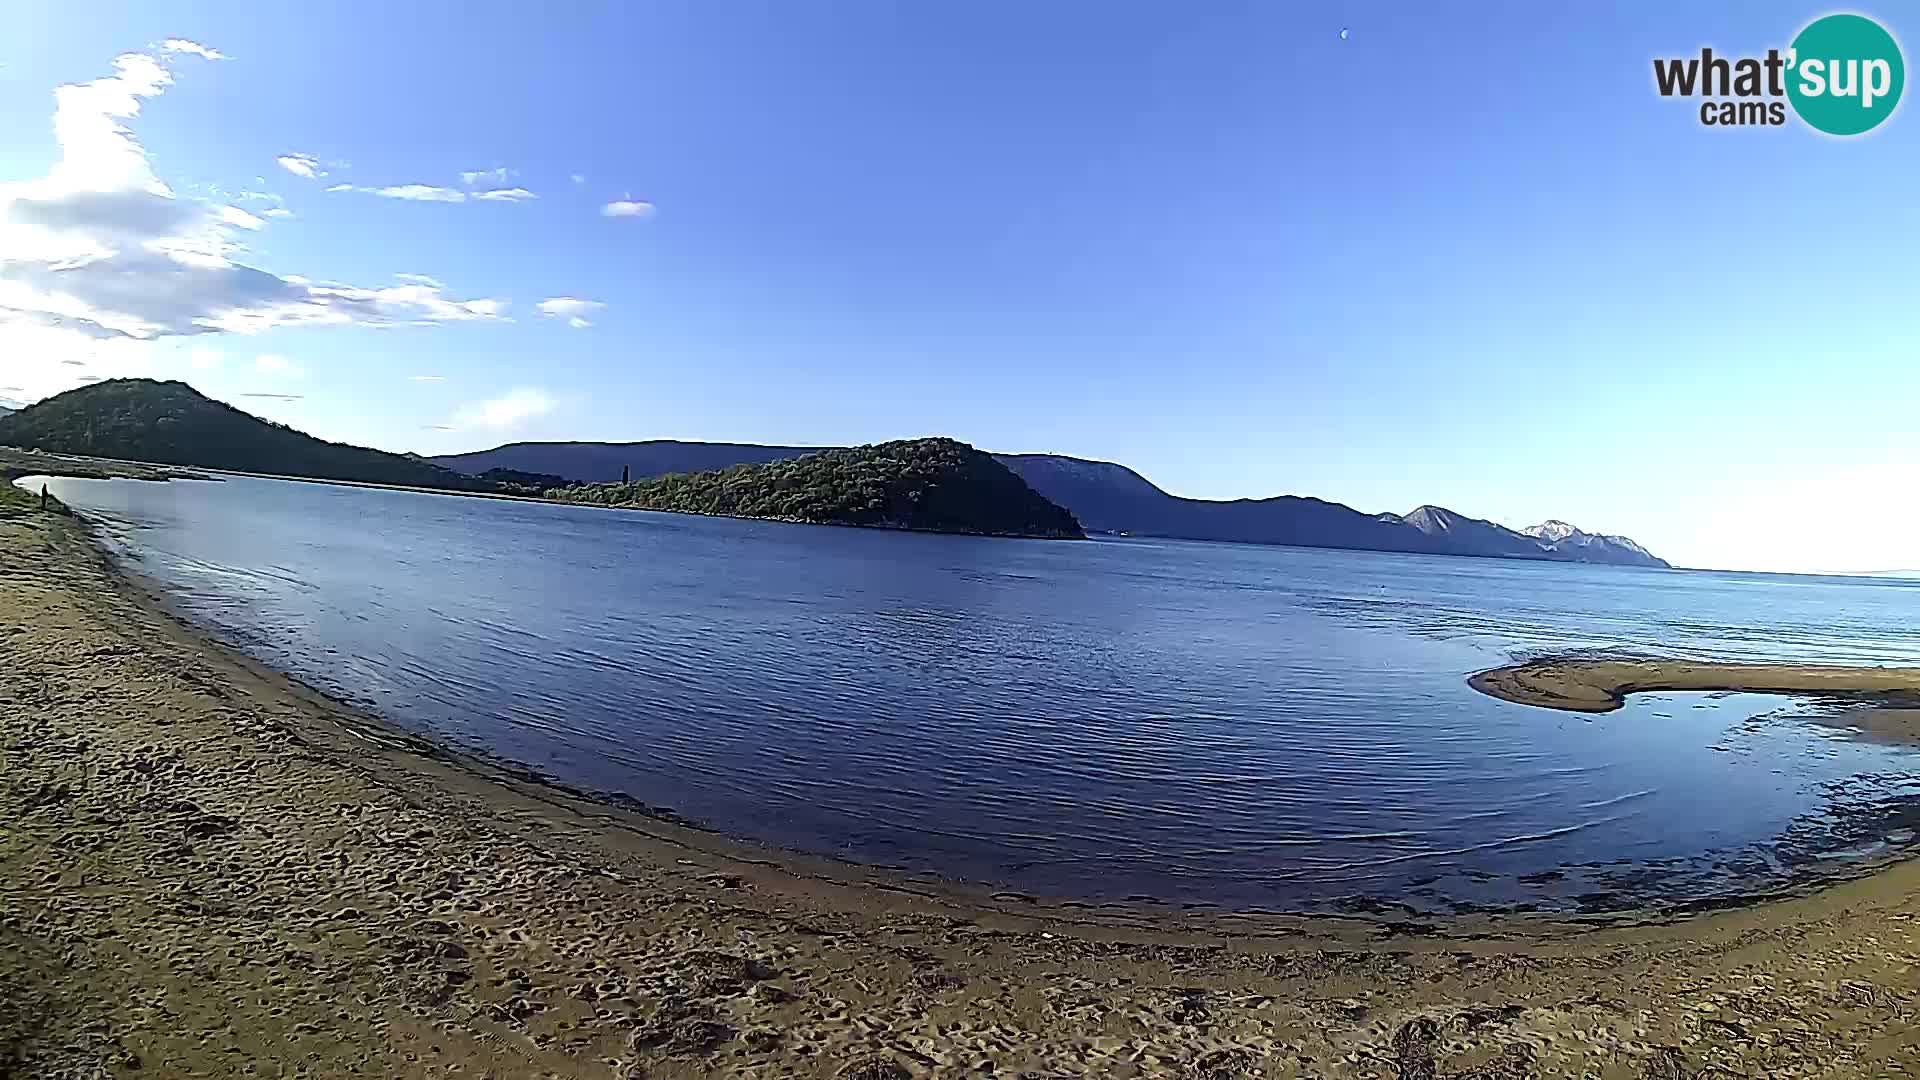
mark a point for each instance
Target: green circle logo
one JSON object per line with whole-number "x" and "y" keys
{"x": 1845, "y": 74}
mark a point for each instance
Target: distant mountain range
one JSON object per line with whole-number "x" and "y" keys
{"x": 170, "y": 423}
{"x": 1112, "y": 498}
{"x": 1607, "y": 547}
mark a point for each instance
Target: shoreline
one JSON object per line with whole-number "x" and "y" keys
{"x": 1370, "y": 919}
{"x": 169, "y": 801}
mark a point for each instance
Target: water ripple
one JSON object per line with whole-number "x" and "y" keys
{"x": 1244, "y": 726}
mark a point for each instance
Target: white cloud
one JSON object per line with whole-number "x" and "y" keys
{"x": 277, "y": 365}
{"x": 421, "y": 279}
{"x": 627, "y": 208}
{"x": 277, "y": 212}
{"x": 182, "y": 45}
{"x": 99, "y": 256}
{"x": 568, "y": 305}
{"x": 426, "y": 378}
{"x": 301, "y": 165}
{"x": 578, "y": 179}
{"x": 233, "y": 215}
{"x": 497, "y": 176}
{"x": 418, "y": 193}
{"x": 431, "y": 193}
{"x": 409, "y": 192}
{"x": 259, "y": 196}
{"x": 203, "y": 358}
{"x": 97, "y": 152}
{"x": 506, "y": 411}
{"x": 570, "y": 308}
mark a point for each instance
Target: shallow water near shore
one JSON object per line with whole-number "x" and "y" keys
{"x": 1226, "y": 725}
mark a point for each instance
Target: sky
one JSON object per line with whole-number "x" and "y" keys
{"x": 1464, "y": 255}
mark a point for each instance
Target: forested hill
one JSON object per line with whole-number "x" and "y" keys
{"x": 927, "y": 485}
{"x": 603, "y": 463}
{"x": 171, "y": 423}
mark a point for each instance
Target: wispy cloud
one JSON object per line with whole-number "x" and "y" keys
{"x": 495, "y": 176}
{"x": 278, "y": 397}
{"x": 421, "y": 279}
{"x": 578, "y": 178}
{"x": 409, "y": 192}
{"x": 627, "y": 208}
{"x": 504, "y": 412}
{"x": 301, "y": 165}
{"x": 419, "y": 193}
{"x": 433, "y": 193}
{"x": 277, "y": 212}
{"x": 571, "y": 308}
{"x": 100, "y": 255}
{"x": 182, "y": 45}
{"x": 233, "y": 215}
{"x": 427, "y": 378}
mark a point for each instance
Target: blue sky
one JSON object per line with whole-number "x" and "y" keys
{"x": 1465, "y": 256}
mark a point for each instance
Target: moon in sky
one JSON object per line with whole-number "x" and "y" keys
{"x": 1343, "y": 33}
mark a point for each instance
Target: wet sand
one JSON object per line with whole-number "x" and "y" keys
{"x": 1597, "y": 686}
{"x": 1878, "y": 724}
{"x": 209, "y": 870}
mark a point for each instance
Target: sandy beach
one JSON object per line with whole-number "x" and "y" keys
{"x": 208, "y": 870}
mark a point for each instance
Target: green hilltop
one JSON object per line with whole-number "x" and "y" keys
{"x": 171, "y": 423}
{"x": 926, "y": 485}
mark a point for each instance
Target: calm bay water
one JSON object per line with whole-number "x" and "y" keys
{"x": 1235, "y": 725}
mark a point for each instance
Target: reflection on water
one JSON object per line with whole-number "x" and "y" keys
{"x": 1198, "y": 723}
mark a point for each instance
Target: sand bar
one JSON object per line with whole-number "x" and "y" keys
{"x": 1596, "y": 686}
{"x": 209, "y": 870}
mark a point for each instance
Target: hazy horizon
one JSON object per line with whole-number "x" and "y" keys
{"x": 1467, "y": 257}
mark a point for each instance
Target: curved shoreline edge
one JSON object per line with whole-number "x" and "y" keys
{"x": 258, "y": 866}
{"x": 1574, "y": 684}
{"x": 858, "y": 882}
